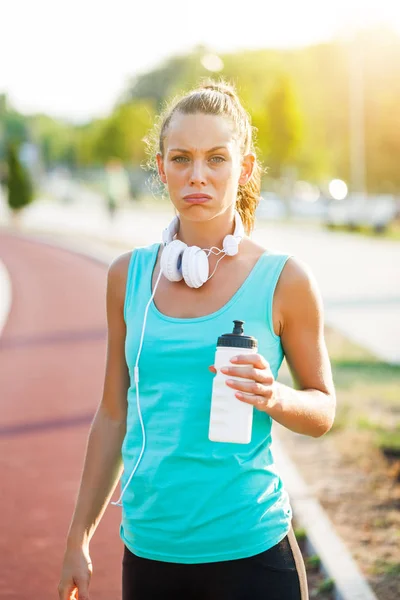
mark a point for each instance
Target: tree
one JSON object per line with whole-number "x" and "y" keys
{"x": 121, "y": 135}
{"x": 176, "y": 74}
{"x": 56, "y": 139}
{"x": 284, "y": 125}
{"x": 20, "y": 189}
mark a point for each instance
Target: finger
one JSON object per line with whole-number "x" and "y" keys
{"x": 262, "y": 376}
{"x": 250, "y": 359}
{"x": 83, "y": 590}
{"x": 249, "y": 387}
{"x": 259, "y": 402}
{"x": 66, "y": 592}
{"x": 212, "y": 369}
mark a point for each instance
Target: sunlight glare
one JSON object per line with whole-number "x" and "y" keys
{"x": 338, "y": 189}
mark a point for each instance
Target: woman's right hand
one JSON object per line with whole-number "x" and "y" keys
{"x": 75, "y": 575}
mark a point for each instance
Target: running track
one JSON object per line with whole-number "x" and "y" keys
{"x": 52, "y": 358}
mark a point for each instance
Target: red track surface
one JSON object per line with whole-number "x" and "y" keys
{"x": 52, "y": 358}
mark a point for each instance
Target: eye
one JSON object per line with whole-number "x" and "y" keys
{"x": 180, "y": 159}
{"x": 217, "y": 159}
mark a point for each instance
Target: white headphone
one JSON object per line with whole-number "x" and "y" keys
{"x": 179, "y": 261}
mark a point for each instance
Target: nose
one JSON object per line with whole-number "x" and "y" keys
{"x": 197, "y": 175}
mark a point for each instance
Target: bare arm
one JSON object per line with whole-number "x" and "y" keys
{"x": 103, "y": 464}
{"x": 310, "y": 408}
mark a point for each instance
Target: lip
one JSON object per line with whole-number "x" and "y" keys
{"x": 197, "y": 198}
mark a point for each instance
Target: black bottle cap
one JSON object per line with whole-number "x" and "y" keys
{"x": 237, "y": 338}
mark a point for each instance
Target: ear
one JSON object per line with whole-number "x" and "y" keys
{"x": 247, "y": 168}
{"x": 160, "y": 166}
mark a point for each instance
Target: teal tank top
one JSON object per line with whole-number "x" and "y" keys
{"x": 192, "y": 500}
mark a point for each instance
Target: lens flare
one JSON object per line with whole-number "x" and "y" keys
{"x": 338, "y": 189}
{"x": 212, "y": 63}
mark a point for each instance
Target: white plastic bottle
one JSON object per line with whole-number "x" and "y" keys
{"x": 231, "y": 420}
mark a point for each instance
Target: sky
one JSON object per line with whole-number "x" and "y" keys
{"x": 73, "y": 59}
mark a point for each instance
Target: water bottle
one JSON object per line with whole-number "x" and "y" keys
{"x": 231, "y": 420}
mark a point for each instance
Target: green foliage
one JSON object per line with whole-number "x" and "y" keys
{"x": 367, "y": 393}
{"x": 389, "y": 440}
{"x": 56, "y": 140}
{"x": 121, "y": 135}
{"x": 382, "y": 567}
{"x": 20, "y": 189}
{"x": 87, "y": 137}
{"x": 13, "y": 127}
{"x": 284, "y": 125}
{"x": 313, "y": 562}
{"x": 300, "y": 534}
{"x": 298, "y": 100}
{"x": 176, "y": 74}
{"x": 328, "y": 585}
{"x": 364, "y": 371}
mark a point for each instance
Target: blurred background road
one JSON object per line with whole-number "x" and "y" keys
{"x": 51, "y": 350}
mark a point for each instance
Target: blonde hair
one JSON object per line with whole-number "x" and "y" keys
{"x": 215, "y": 98}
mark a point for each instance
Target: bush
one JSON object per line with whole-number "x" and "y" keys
{"x": 20, "y": 189}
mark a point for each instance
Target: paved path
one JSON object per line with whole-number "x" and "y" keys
{"x": 52, "y": 355}
{"x": 5, "y": 296}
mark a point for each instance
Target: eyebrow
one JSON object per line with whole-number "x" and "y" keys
{"x": 187, "y": 151}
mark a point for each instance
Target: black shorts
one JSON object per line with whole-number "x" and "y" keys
{"x": 276, "y": 574}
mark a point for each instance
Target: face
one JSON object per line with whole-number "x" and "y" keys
{"x": 202, "y": 165}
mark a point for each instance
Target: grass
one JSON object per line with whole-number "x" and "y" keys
{"x": 300, "y": 534}
{"x": 367, "y": 390}
{"x": 392, "y": 232}
{"x": 389, "y": 440}
{"x": 366, "y": 434}
{"x": 326, "y": 586}
{"x": 313, "y": 562}
{"x": 383, "y": 567}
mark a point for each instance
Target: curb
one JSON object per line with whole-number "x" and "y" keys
{"x": 336, "y": 560}
{"x": 5, "y": 296}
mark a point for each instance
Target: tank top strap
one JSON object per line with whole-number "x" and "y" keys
{"x": 138, "y": 279}
{"x": 259, "y": 296}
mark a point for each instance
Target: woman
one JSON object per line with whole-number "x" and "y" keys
{"x": 202, "y": 519}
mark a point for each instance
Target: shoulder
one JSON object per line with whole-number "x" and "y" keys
{"x": 118, "y": 268}
{"x": 117, "y": 277}
{"x": 297, "y": 289}
{"x": 296, "y": 274}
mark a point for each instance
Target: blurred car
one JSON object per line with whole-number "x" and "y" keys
{"x": 360, "y": 210}
{"x": 270, "y": 207}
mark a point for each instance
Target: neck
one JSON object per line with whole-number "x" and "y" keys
{"x": 206, "y": 234}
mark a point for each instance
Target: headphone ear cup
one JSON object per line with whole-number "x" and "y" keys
{"x": 230, "y": 245}
{"x": 195, "y": 266}
{"x": 171, "y": 260}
